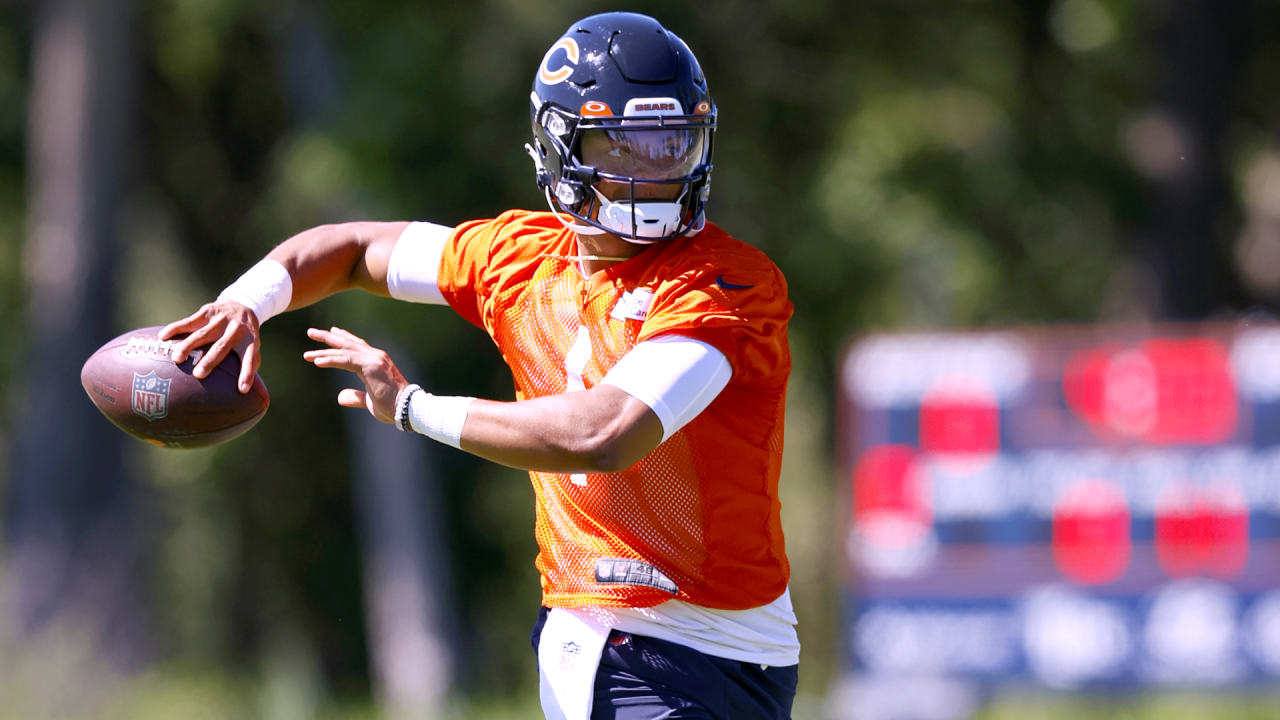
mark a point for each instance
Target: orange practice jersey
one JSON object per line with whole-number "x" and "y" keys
{"x": 698, "y": 518}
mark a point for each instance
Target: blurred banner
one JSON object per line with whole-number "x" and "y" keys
{"x": 1065, "y": 508}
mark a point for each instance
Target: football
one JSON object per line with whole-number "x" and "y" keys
{"x": 134, "y": 383}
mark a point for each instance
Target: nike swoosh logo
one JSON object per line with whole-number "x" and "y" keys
{"x": 731, "y": 286}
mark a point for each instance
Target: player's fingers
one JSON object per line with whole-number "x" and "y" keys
{"x": 340, "y": 359}
{"x": 202, "y": 335}
{"x": 328, "y": 338}
{"x": 216, "y": 353}
{"x": 248, "y": 366}
{"x": 186, "y": 324}
{"x": 352, "y": 398}
{"x": 328, "y": 353}
{"x": 347, "y": 334}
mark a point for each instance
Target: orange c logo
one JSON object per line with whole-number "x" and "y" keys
{"x": 552, "y": 77}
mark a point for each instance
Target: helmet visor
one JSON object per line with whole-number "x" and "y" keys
{"x": 657, "y": 153}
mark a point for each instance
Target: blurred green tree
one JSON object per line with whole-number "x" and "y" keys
{"x": 918, "y": 164}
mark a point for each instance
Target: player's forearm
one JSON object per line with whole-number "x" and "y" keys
{"x": 567, "y": 433}
{"x": 328, "y": 259}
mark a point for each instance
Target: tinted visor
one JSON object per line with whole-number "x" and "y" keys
{"x": 662, "y": 153}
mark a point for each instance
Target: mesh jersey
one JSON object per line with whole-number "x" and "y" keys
{"x": 702, "y": 508}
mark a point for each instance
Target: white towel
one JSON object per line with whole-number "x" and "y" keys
{"x": 568, "y": 655}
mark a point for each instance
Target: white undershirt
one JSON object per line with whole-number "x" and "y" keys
{"x": 413, "y": 271}
{"x": 677, "y": 377}
{"x": 764, "y": 635}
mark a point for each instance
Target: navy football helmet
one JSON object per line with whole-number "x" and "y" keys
{"x": 623, "y": 125}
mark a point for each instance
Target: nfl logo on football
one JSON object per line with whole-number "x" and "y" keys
{"x": 150, "y": 395}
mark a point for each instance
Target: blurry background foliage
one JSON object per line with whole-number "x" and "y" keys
{"x": 907, "y": 164}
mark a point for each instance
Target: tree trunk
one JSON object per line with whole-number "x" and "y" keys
{"x": 407, "y": 578}
{"x": 71, "y": 529}
{"x": 1204, "y": 46}
{"x": 406, "y": 571}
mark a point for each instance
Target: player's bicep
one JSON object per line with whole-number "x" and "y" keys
{"x": 402, "y": 260}
{"x": 635, "y": 428}
{"x": 675, "y": 377}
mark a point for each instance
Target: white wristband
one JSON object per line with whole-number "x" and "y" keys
{"x": 265, "y": 288}
{"x": 439, "y": 417}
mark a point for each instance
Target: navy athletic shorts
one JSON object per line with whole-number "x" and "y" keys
{"x": 644, "y": 678}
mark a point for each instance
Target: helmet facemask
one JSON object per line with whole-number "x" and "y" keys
{"x": 643, "y": 179}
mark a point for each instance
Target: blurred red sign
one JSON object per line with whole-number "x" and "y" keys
{"x": 960, "y": 418}
{"x": 1202, "y": 531}
{"x": 1091, "y": 542}
{"x": 1072, "y": 506}
{"x": 1161, "y": 392}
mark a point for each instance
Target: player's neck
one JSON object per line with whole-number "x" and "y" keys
{"x": 598, "y": 252}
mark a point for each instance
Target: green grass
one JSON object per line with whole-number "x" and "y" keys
{"x": 1165, "y": 705}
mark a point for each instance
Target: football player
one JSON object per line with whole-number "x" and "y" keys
{"x": 649, "y": 351}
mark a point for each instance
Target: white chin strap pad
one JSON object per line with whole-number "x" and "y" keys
{"x": 651, "y": 219}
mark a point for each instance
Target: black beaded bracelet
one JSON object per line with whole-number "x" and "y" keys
{"x": 402, "y": 406}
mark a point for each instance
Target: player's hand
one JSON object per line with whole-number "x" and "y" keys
{"x": 227, "y": 325}
{"x": 382, "y": 380}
